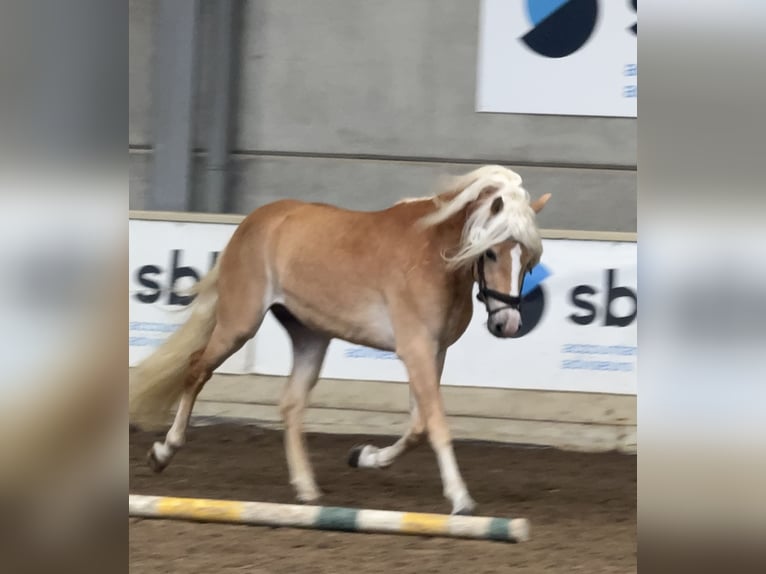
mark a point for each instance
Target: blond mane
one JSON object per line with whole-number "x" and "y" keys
{"x": 483, "y": 229}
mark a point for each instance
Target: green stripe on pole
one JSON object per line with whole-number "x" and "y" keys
{"x": 498, "y": 529}
{"x": 335, "y": 518}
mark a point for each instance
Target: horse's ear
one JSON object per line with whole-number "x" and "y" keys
{"x": 497, "y": 205}
{"x": 538, "y": 204}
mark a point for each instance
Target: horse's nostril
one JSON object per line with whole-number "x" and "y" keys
{"x": 497, "y": 328}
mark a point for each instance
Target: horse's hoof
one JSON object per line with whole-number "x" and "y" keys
{"x": 464, "y": 511}
{"x": 154, "y": 463}
{"x": 353, "y": 456}
{"x": 309, "y": 497}
{"x": 465, "y": 506}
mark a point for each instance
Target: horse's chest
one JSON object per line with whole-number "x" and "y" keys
{"x": 457, "y": 322}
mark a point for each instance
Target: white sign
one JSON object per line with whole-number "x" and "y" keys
{"x": 580, "y": 322}
{"x": 583, "y": 334}
{"x": 165, "y": 259}
{"x": 579, "y": 316}
{"x": 560, "y": 57}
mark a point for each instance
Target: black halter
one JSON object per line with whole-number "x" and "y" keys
{"x": 485, "y": 293}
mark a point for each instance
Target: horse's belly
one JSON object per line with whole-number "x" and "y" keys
{"x": 370, "y": 325}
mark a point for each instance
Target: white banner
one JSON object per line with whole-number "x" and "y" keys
{"x": 560, "y": 57}
{"x": 580, "y": 322}
{"x": 579, "y": 316}
{"x": 165, "y": 259}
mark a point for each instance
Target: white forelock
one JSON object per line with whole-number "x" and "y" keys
{"x": 482, "y": 228}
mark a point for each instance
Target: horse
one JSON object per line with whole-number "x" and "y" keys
{"x": 399, "y": 279}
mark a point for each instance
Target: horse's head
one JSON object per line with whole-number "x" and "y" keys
{"x": 499, "y": 239}
{"x": 500, "y": 271}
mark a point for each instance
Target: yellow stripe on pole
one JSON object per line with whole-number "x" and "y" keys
{"x": 200, "y": 509}
{"x": 420, "y": 523}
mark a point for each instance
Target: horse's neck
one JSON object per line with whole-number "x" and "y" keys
{"x": 458, "y": 282}
{"x": 443, "y": 236}
{"x": 447, "y": 236}
{"x": 450, "y": 232}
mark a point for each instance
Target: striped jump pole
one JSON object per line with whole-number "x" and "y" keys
{"x": 329, "y": 518}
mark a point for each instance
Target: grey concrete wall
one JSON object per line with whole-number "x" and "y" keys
{"x": 141, "y": 53}
{"x": 361, "y": 103}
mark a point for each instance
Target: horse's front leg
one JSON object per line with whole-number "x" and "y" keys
{"x": 422, "y": 358}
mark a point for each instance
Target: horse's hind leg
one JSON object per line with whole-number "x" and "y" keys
{"x": 309, "y": 349}
{"x": 162, "y": 453}
{"x": 237, "y": 322}
{"x": 370, "y": 456}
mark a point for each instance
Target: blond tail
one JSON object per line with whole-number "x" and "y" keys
{"x": 158, "y": 382}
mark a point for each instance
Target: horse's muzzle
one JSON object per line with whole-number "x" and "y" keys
{"x": 505, "y": 323}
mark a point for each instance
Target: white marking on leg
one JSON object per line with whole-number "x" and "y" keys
{"x": 306, "y": 366}
{"x": 163, "y": 452}
{"x": 387, "y": 456}
{"x": 306, "y": 491}
{"x": 454, "y": 487}
{"x": 176, "y": 436}
{"x": 374, "y": 457}
{"x": 368, "y": 457}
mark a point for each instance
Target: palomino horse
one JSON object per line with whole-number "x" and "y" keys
{"x": 400, "y": 279}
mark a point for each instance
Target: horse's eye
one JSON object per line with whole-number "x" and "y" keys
{"x": 491, "y": 255}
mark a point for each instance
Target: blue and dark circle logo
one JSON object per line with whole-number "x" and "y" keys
{"x": 561, "y": 27}
{"x": 533, "y": 297}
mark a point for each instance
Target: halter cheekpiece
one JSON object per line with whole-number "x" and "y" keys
{"x": 485, "y": 293}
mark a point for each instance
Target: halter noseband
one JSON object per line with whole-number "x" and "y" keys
{"x": 485, "y": 293}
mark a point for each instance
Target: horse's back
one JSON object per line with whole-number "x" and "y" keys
{"x": 292, "y": 237}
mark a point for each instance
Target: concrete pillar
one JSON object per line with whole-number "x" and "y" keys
{"x": 174, "y": 87}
